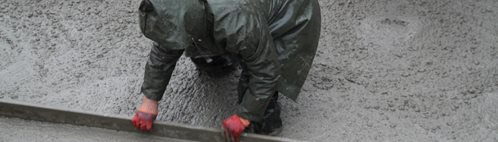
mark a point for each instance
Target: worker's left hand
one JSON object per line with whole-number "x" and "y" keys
{"x": 233, "y": 127}
{"x": 143, "y": 121}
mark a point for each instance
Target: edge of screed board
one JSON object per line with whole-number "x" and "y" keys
{"x": 120, "y": 123}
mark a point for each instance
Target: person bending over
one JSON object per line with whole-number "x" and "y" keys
{"x": 273, "y": 41}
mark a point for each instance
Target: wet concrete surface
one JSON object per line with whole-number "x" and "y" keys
{"x": 18, "y": 130}
{"x": 385, "y": 71}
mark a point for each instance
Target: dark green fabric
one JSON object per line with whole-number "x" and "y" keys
{"x": 276, "y": 41}
{"x": 158, "y": 70}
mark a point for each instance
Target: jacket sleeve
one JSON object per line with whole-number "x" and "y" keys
{"x": 158, "y": 70}
{"x": 247, "y": 34}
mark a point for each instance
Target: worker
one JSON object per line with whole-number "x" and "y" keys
{"x": 273, "y": 41}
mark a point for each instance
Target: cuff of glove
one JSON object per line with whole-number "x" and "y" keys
{"x": 152, "y": 96}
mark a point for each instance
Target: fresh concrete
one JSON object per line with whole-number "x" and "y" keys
{"x": 386, "y": 70}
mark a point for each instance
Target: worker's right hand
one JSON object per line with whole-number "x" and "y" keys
{"x": 145, "y": 115}
{"x": 233, "y": 127}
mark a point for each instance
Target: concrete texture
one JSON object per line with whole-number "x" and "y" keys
{"x": 18, "y": 130}
{"x": 386, "y": 70}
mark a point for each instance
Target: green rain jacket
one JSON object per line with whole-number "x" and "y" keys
{"x": 275, "y": 40}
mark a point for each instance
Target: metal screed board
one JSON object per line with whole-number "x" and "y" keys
{"x": 119, "y": 123}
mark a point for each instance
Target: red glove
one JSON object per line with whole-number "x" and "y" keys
{"x": 145, "y": 115}
{"x": 143, "y": 121}
{"x": 233, "y": 127}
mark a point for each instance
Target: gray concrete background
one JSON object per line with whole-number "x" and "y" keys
{"x": 386, "y": 70}
{"x": 33, "y": 131}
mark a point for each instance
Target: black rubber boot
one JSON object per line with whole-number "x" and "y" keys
{"x": 272, "y": 123}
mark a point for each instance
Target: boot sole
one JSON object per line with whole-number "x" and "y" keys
{"x": 276, "y": 132}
